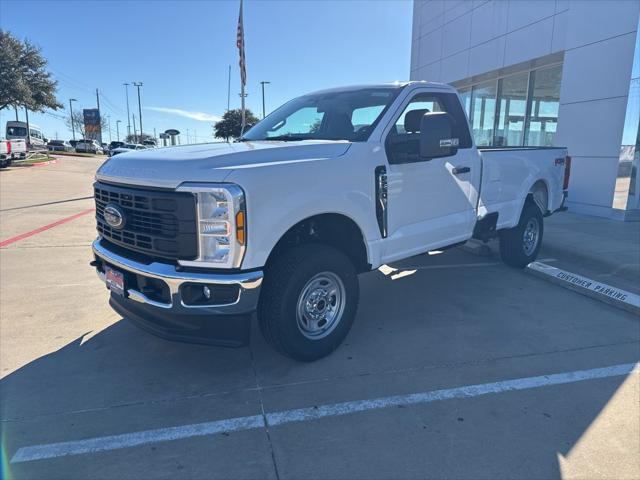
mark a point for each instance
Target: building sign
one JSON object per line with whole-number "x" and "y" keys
{"x": 92, "y": 126}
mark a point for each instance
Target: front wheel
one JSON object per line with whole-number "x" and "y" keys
{"x": 519, "y": 246}
{"x": 308, "y": 301}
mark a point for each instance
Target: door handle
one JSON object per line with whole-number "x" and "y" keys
{"x": 460, "y": 170}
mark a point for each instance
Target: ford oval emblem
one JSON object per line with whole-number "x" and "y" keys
{"x": 114, "y": 216}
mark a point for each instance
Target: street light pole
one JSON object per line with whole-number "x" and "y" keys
{"x": 126, "y": 91}
{"x": 139, "y": 84}
{"x": 73, "y": 129}
{"x": 263, "y": 109}
{"x": 109, "y": 125}
{"x": 228, "y": 93}
{"x": 118, "y": 129}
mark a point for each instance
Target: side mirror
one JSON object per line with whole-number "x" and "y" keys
{"x": 438, "y": 135}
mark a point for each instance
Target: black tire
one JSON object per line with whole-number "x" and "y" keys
{"x": 514, "y": 250}
{"x": 286, "y": 277}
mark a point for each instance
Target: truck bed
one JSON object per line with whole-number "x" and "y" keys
{"x": 509, "y": 171}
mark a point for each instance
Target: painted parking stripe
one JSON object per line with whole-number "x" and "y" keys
{"x": 116, "y": 442}
{"x": 586, "y": 286}
{"x": 44, "y": 228}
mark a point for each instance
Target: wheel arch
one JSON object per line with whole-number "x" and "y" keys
{"x": 334, "y": 229}
{"x": 539, "y": 194}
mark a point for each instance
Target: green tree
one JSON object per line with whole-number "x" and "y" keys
{"x": 24, "y": 80}
{"x": 231, "y": 124}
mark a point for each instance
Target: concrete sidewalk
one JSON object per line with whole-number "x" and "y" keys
{"x": 604, "y": 250}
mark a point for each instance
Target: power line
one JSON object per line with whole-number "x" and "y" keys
{"x": 111, "y": 104}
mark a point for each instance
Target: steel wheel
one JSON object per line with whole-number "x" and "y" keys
{"x": 320, "y": 305}
{"x": 531, "y": 236}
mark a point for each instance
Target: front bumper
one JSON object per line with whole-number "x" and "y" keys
{"x": 173, "y": 314}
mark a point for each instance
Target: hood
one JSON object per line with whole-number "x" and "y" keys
{"x": 169, "y": 167}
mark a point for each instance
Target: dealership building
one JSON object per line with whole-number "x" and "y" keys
{"x": 546, "y": 73}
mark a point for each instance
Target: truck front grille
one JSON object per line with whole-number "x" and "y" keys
{"x": 158, "y": 223}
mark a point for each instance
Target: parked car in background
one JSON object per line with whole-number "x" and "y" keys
{"x": 127, "y": 147}
{"x": 59, "y": 146}
{"x": 88, "y": 146}
{"x": 5, "y": 153}
{"x": 149, "y": 143}
{"x": 112, "y": 146}
{"x": 73, "y": 143}
{"x": 12, "y": 150}
{"x": 18, "y": 131}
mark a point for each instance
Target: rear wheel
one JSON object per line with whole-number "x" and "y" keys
{"x": 520, "y": 245}
{"x": 308, "y": 301}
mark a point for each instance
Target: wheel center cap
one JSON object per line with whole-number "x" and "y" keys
{"x": 317, "y": 303}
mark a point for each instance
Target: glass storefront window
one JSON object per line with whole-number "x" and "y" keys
{"x": 627, "y": 191}
{"x": 483, "y": 107}
{"x": 465, "y": 96}
{"x": 512, "y": 104}
{"x": 543, "y": 106}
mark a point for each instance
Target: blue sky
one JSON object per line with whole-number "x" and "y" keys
{"x": 181, "y": 50}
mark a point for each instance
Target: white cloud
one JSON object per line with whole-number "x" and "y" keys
{"x": 199, "y": 116}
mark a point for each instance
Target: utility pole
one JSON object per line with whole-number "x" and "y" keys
{"x": 26, "y": 113}
{"x": 16, "y": 108}
{"x": 73, "y": 129}
{"x": 98, "y": 103}
{"x": 135, "y": 135}
{"x": 126, "y": 91}
{"x": 263, "y": 109}
{"x": 118, "y": 130}
{"x": 139, "y": 84}
{"x": 228, "y": 92}
{"x": 155, "y": 138}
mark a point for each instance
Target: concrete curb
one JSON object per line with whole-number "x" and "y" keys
{"x": 39, "y": 164}
{"x": 586, "y": 286}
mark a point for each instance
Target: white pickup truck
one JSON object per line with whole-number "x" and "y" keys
{"x": 192, "y": 240}
{"x": 11, "y": 150}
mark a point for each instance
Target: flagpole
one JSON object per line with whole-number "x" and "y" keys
{"x": 244, "y": 119}
{"x": 243, "y": 72}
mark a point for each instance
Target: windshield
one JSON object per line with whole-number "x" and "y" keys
{"x": 339, "y": 115}
{"x": 16, "y": 132}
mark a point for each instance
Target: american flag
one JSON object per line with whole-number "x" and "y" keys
{"x": 240, "y": 45}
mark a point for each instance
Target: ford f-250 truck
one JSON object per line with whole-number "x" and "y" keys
{"x": 192, "y": 240}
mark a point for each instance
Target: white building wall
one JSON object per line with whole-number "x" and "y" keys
{"x": 457, "y": 40}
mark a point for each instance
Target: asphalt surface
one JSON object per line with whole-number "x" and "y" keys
{"x": 79, "y": 383}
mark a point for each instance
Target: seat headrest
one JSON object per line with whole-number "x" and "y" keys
{"x": 413, "y": 118}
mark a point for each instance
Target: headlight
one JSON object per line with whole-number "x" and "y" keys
{"x": 221, "y": 224}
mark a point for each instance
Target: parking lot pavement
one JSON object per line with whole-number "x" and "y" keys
{"x": 479, "y": 342}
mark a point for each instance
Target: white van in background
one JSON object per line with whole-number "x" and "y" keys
{"x": 18, "y": 130}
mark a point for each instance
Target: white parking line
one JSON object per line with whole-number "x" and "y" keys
{"x": 116, "y": 442}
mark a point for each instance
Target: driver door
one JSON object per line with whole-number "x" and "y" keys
{"x": 431, "y": 202}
